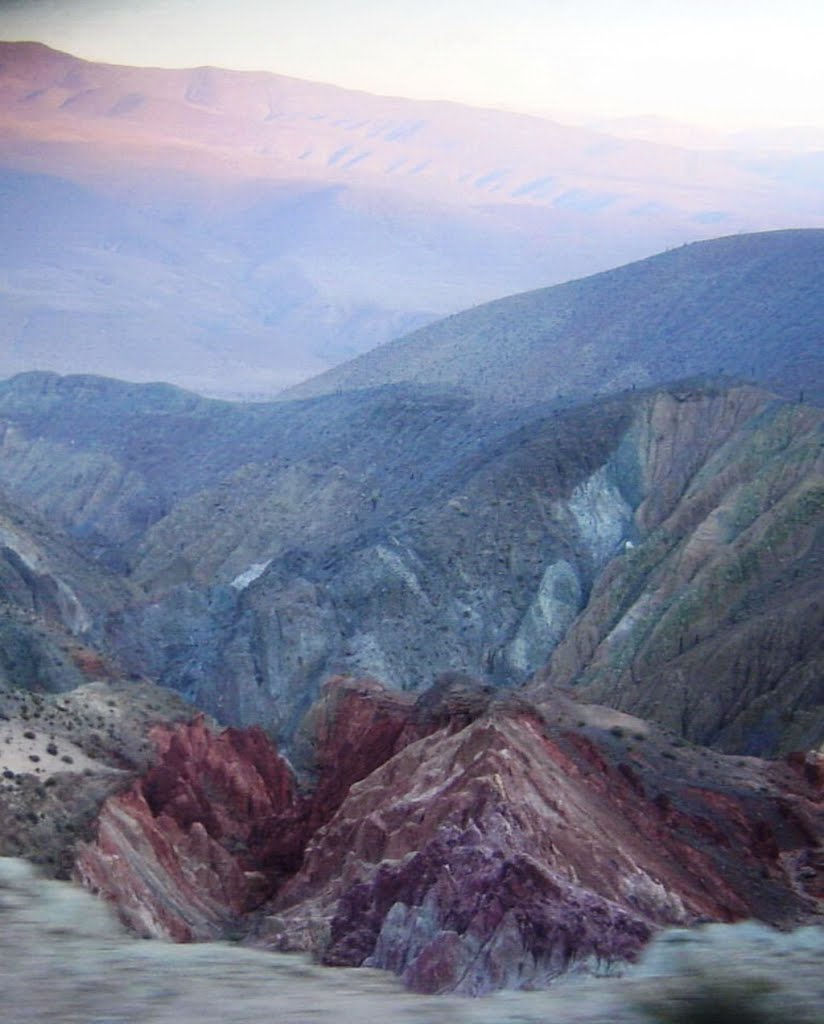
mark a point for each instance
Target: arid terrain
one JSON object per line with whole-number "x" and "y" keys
{"x": 487, "y": 692}
{"x": 236, "y": 233}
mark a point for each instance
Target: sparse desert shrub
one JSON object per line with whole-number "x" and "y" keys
{"x": 702, "y": 999}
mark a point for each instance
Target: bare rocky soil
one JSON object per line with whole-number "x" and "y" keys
{"x": 61, "y": 755}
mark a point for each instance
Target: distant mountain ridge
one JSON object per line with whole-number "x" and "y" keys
{"x": 259, "y": 124}
{"x": 238, "y": 232}
{"x": 749, "y": 306}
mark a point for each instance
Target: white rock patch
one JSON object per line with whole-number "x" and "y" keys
{"x": 601, "y": 514}
{"x": 255, "y": 571}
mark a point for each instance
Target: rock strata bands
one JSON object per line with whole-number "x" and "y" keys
{"x": 184, "y": 851}
{"x": 468, "y": 848}
{"x": 712, "y": 623}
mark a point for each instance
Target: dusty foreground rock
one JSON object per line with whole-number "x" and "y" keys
{"x": 63, "y": 957}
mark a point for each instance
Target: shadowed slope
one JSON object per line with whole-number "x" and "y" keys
{"x": 748, "y": 306}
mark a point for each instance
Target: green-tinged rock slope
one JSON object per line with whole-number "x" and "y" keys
{"x": 665, "y": 543}
{"x": 712, "y": 623}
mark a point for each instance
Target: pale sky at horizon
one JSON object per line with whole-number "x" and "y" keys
{"x": 729, "y": 64}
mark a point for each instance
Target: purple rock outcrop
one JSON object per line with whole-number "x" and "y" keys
{"x": 465, "y": 847}
{"x": 518, "y": 847}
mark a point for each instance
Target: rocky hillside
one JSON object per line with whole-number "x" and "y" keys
{"x": 406, "y": 533}
{"x": 409, "y": 529}
{"x": 51, "y": 594}
{"x": 576, "y": 833}
{"x": 62, "y": 755}
{"x": 712, "y": 622}
{"x": 747, "y": 306}
{"x": 662, "y": 546}
{"x": 74, "y": 728}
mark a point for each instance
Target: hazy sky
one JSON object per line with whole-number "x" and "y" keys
{"x": 728, "y": 63}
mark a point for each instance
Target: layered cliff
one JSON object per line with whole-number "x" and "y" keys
{"x": 198, "y": 840}
{"x": 465, "y": 846}
{"x": 711, "y": 623}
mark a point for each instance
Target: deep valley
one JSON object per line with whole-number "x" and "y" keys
{"x": 283, "y": 672}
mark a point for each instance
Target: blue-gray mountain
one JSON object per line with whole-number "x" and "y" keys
{"x": 751, "y": 307}
{"x": 663, "y": 545}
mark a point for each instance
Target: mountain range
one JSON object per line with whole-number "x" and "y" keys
{"x": 746, "y": 306}
{"x": 426, "y": 525}
{"x": 238, "y": 232}
{"x": 483, "y": 657}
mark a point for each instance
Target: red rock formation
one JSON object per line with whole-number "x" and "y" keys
{"x": 511, "y": 850}
{"x": 355, "y": 726}
{"x": 217, "y": 824}
{"x": 200, "y": 839}
{"x": 463, "y": 847}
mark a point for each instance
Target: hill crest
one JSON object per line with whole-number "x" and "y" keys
{"x": 748, "y": 306}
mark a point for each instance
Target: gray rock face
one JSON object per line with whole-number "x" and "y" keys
{"x": 483, "y": 573}
{"x": 50, "y": 599}
{"x": 405, "y": 533}
{"x": 552, "y": 612}
{"x": 601, "y": 514}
